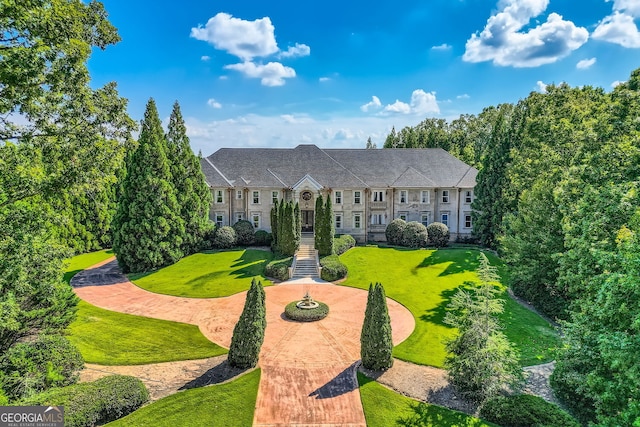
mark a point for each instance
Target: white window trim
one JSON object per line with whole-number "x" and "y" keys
{"x": 277, "y": 193}
{"x": 359, "y": 196}
{"x": 253, "y": 197}
{"x": 337, "y": 200}
{"x": 425, "y": 200}
{"x": 239, "y": 216}
{"x": 448, "y": 214}
{"x": 215, "y": 196}
{"x": 215, "y": 218}
{"x": 335, "y": 221}
{"x": 374, "y": 195}
{"x": 253, "y": 215}
{"x": 406, "y": 197}
{"x": 465, "y": 215}
{"x": 468, "y": 195}
{"x": 422, "y": 216}
{"x": 447, "y": 195}
{"x": 239, "y": 194}
{"x": 380, "y": 217}
{"x": 357, "y": 226}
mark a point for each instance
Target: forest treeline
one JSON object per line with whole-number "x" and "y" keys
{"x": 557, "y": 196}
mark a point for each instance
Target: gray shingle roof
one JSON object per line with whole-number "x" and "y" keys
{"x": 337, "y": 168}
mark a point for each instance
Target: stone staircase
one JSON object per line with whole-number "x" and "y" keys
{"x": 306, "y": 259}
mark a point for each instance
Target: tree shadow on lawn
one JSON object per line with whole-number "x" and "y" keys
{"x": 457, "y": 261}
{"x": 437, "y": 314}
{"x": 430, "y": 415}
{"x": 342, "y": 383}
{"x": 216, "y": 375}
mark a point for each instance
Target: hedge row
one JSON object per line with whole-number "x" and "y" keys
{"x": 279, "y": 268}
{"x": 97, "y": 402}
{"x": 332, "y": 268}
{"x": 525, "y": 410}
{"x": 343, "y": 243}
{"x": 306, "y": 315}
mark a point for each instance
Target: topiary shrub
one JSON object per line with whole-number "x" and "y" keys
{"x": 262, "y": 238}
{"x": 414, "y": 235}
{"x": 438, "y": 234}
{"x": 306, "y": 314}
{"x": 394, "y": 231}
{"x": 279, "y": 268}
{"x": 33, "y": 367}
{"x": 525, "y": 410}
{"x": 245, "y": 233}
{"x": 376, "y": 345}
{"x": 97, "y": 402}
{"x": 343, "y": 243}
{"x": 332, "y": 268}
{"x": 224, "y": 238}
{"x": 248, "y": 334}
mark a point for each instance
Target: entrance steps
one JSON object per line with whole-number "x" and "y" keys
{"x": 306, "y": 259}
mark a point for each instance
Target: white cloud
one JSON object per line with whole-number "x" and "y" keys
{"x": 293, "y": 119}
{"x": 502, "y": 42}
{"x": 585, "y": 64}
{"x": 443, "y": 46}
{"x": 398, "y": 107}
{"x": 296, "y": 51}
{"x": 542, "y": 87}
{"x": 213, "y": 103}
{"x": 374, "y": 104}
{"x": 632, "y": 7}
{"x": 270, "y": 74}
{"x": 205, "y": 58}
{"x": 324, "y": 79}
{"x": 463, "y": 96}
{"x": 424, "y": 103}
{"x": 618, "y": 28}
{"x": 244, "y": 39}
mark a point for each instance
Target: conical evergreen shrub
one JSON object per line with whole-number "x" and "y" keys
{"x": 248, "y": 333}
{"x": 376, "y": 343}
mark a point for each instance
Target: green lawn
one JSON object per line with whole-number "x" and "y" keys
{"x": 424, "y": 281}
{"x": 208, "y": 275}
{"x": 111, "y": 338}
{"x": 228, "y": 404}
{"x": 385, "y": 408}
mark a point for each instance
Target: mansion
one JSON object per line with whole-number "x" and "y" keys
{"x": 368, "y": 187}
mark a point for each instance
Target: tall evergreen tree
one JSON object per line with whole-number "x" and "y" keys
{"x": 298, "y": 224}
{"x": 248, "y": 334}
{"x": 147, "y": 227}
{"x": 192, "y": 193}
{"x": 376, "y": 344}
{"x": 318, "y": 223}
{"x": 328, "y": 229}
{"x": 274, "y": 226}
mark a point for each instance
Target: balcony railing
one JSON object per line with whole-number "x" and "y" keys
{"x": 378, "y": 205}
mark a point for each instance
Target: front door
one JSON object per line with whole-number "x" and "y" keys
{"x": 307, "y": 221}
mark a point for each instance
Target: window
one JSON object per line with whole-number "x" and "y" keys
{"x": 357, "y": 219}
{"x": 338, "y": 221}
{"x": 377, "y": 219}
{"x": 445, "y": 196}
{"x": 239, "y": 194}
{"x": 444, "y": 218}
{"x": 403, "y": 196}
{"x": 467, "y": 221}
{"x": 255, "y": 219}
{"x": 468, "y": 196}
{"x": 425, "y": 197}
{"x": 377, "y": 196}
{"x": 356, "y": 197}
{"x": 338, "y": 197}
{"x": 274, "y": 197}
{"x": 239, "y": 216}
{"x": 402, "y": 216}
{"x": 219, "y": 196}
{"x": 256, "y": 197}
{"x": 219, "y": 219}
{"x": 424, "y": 219}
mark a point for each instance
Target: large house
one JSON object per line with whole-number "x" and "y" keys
{"x": 368, "y": 188}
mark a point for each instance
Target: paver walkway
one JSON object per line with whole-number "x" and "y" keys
{"x": 308, "y": 376}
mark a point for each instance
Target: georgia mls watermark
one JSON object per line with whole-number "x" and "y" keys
{"x": 31, "y": 416}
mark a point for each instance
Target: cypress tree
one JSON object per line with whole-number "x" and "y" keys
{"x": 192, "y": 193}
{"x": 328, "y": 228}
{"x": 376, "y": 345}
{"x": 288, "y": 242}
{"x": 248, "y": 334}
{"x": 281, "y": 227}
{"x": 318, "y": 223}
{"x": 147, "y": 226}
{"x": 274, "y": 226}
{"x": 298, "y": 224}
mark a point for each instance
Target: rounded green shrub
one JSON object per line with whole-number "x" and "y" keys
{"x": 306, "y": 314}
{"x": 438, "y": 234}
{"x": 32, "y": 367}
{"x": 394, "y": 231}
{"x": 343, "y": 243}
{"x": 263, "y": 238}
{"x": 245, "y": 233}
{"x": 525, "y": 410}
{"x": 414, "y": 235}
{"x": 279, "y": 268}
{"x": 332, "y": 268}
{"x": 224, "y": 238}
{"x": 97, "y": 402}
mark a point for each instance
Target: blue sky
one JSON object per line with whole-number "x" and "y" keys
{"x": 333, "y": 73}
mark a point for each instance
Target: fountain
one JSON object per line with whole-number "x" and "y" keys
{"x": 307, "y": 303}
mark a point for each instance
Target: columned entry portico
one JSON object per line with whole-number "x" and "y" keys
{"x": 307, "y": 221}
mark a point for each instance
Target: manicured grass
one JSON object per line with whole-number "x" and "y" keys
{"x": 109, "y": 338}
{"x": 208, "y": 275}
{"x": 228, "y": 404}
{"x": 424, "y": 281}
{"x": 80, "y": 262}
{"x": 385, "y": 408}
